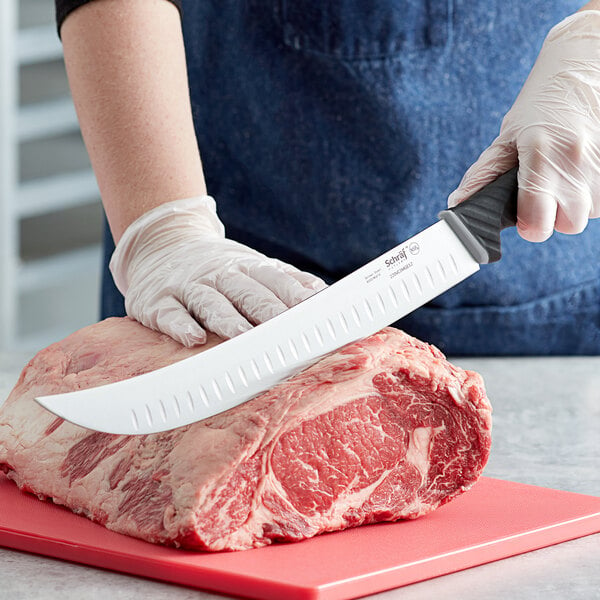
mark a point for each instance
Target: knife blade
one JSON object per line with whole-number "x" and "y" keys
{"x": 372, "y": 297}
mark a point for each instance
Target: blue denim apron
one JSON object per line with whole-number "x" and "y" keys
{"x": 332, "y": 131}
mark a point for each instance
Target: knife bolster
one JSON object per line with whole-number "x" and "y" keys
{"x": 481, "y": 252}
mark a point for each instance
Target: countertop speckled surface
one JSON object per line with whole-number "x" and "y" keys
{"x": 546, "y": 432}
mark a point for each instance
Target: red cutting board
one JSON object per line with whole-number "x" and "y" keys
{"x": 494, "y": 520}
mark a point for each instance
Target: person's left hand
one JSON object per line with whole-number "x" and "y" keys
{"x": 553, "y": 132}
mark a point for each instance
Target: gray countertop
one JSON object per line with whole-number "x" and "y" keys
{"x": 546, "y": 432}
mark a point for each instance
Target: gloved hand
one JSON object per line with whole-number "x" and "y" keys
{"x": 553, "y": 132}
{"x": 177, "y": 272}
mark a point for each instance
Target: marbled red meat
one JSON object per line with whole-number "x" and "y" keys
{"x": 383, "y": 429}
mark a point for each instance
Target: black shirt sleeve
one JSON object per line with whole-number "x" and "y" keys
{"x": 64, "y": 7}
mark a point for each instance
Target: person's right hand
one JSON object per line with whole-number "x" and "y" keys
{"x": 180, "y": 275}
{"x": 552, "y": 132}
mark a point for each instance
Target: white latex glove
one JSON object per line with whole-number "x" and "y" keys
{"x": 553, "y": 132}
{"x": 177, "y": 272}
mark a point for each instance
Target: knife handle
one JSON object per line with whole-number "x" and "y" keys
{"x": 479, "y": 220}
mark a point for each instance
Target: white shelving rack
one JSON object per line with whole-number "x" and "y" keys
{"x": 49, "y": 269}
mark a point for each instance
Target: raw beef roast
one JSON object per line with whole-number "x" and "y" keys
{"x": 383, "y": 429}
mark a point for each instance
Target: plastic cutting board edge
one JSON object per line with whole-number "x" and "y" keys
{"x": 494, "y": 520}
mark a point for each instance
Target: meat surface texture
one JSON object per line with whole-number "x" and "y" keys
{"x": 383, "y": 429}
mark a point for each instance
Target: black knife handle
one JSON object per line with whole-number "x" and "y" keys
{"x": 479, "y": 220}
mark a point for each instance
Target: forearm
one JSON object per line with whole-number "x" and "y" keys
{"x": 126, "y": 65}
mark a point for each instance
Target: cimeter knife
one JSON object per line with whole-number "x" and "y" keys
{"x": 372, "y": 297}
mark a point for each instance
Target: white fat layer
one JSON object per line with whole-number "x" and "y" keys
{"x": 457, "y": 395}
{"x": 419, "y": 445}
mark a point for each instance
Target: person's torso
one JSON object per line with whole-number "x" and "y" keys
{"x": 332, "y": 131}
